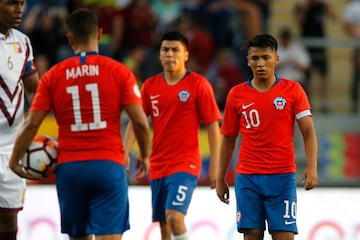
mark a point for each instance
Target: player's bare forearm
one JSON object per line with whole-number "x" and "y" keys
{"x": 22, "y": 142}
{"x": 226, "y": 152}
{"x": 140, "y": 127}
{"x": 129, "y": 137}
{"x": 310, "y": 176}
{"x": 213, "y": 131}
{"x": 142, "y": 134}
{"x": 30, "y": 85}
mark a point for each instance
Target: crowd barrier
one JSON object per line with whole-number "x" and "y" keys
{"x": 322, "y": 214}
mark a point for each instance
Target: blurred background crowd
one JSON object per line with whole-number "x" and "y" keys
{"x": 318, "y": 47}
{"x": 316, "y": 43}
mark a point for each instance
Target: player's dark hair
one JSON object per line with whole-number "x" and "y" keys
{"x": 176, "y": 36}
{"x": 82, "y": 23}
{"x": 263, "y": 41}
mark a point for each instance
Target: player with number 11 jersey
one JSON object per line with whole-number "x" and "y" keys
{"x": 87, "y": 96}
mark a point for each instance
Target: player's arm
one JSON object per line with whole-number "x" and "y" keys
{"x": 138, "y": 127}
{"x": 128, "y": 141}
{"x": 213, "y": 132}
{"x": 23, "y": 140}
{"x": 310, "y": 176}
{"x": 226, "y": 152}
{"x": 30, "y": 84}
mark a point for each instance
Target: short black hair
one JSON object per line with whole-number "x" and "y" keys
{"x": 176, "y": 36}
{"x": 82, "y": 24}
{"x": 263, "y": 41}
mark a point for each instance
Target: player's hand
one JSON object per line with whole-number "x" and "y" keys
{"x": 127, "y": 162}
{"x": 222, "y": 191}
{"x": 310, "y": 178}
{"x": 212, "y": 177}
{"x": 20, "y": 171}
{"x": 143, "y": 165}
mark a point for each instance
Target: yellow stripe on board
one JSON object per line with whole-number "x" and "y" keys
{"x": 49, "y": 127}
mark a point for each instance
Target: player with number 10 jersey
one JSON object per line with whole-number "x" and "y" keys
{"x": 265, "y": 121}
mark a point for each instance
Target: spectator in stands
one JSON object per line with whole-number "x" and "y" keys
{"x": 217, "y": 18}
{"x": 134, "y": 60}
{"x": 294, "y": 59}
{"x": 110, "y": 21}
{"x": 250, "y": 25}
{"x": 352, "y": 28}
{"x": 139, "y": 25}
{"x": 45, "y": 27}
{"x": 265, "y": 9}
{"x": 251, "y": 17}
{"x": 310, "y": 16}
{"x": 166, "y": 11}
{"x": 201, "y": 43}
{"x": 138, "y": 28}
{"x": 228, "y": 74}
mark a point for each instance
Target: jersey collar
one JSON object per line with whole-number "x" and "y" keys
{"x": 277, "y": 79}
{"x": 83, "y": 55}
{"x": 10, "y": 38}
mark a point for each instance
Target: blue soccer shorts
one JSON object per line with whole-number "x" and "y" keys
{"x": 93, "y": 198}
{"x": 265, "y": 198}
{"x": 172, "y": 192}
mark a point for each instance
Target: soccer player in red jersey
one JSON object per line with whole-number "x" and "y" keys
{"x": 17, "y": 76}
{"x": 264, "y": 110}
{"x": 178, "y": 101}
{"x": 87, "y": 93}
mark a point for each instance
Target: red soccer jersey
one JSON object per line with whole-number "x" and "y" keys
{"x": 176, "y": 113}
{"x": 86, "y": 93}
{"x": 266, "y": 122}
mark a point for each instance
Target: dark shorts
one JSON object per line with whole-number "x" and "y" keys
{"x": 319, "y": 60}
{"x": 173, "y": 192}
{"x": 266, "y": 198}
{"x": 93, "y": 198}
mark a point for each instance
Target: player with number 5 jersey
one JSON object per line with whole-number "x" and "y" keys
{"x": 87, "y": 93}
{"x": 178, "y": 102}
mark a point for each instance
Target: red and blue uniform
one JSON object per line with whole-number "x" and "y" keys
{"x": 86, "y": 93}
{"x": 265, "y": 183}
{"x": 177, "y": 112}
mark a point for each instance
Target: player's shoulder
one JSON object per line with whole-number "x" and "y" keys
{"x": 240, "y": 86}
{"x": 196, "y": 76}
{"x": 289, "y": 82}
{"x": 18, "y": 35}
{"x": 153, "y": 79}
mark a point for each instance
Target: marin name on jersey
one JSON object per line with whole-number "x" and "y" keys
{"x": 82, "y": 71}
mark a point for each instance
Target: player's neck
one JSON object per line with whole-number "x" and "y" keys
{"x": 262, "y": 85}
{"x": 172, "y": 78}
{"x": 4, "y": 32}
{"x": 85, "y": 48}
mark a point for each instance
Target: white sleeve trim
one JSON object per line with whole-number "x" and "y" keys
{"x": 302, "y": 114}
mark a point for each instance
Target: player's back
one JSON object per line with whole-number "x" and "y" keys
{"x": 87, "y": 93}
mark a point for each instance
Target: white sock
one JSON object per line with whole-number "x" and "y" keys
{"x": 183, "y": 236}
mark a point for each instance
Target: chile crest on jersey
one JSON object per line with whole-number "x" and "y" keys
{"x": 184, "y": 95}
{"x": 279, "y": 103}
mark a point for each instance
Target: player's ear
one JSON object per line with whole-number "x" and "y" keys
{"x": 70, "y": 39}
{"x": 186, "y": 55}
{"x": 99, "y": 34}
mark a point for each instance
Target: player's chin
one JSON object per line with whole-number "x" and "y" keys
{"x": 16, "y": 23}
